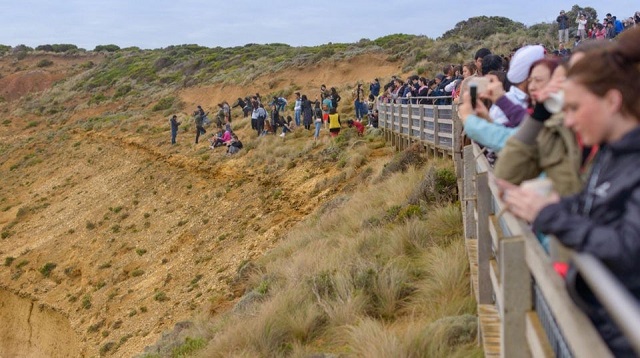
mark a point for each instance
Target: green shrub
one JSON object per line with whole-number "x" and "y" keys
{"x": 44, "y": 63}
{"x": 47, "y": 268}
{"x": 160, "y": 296}
{"x": 86, "y": 302}
{"x": 190, "y": 346}
{"x": 122, "y": 91}
{"x": 9, "y": 260}
{"x": 108, "y": 48}
{"x": 164, "y": 104}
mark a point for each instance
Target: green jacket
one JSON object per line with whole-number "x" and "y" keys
{"x": 555, "y": 153}
{"x": 198, "y": 118}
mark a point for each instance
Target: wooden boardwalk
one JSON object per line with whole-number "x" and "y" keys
{"x": 490, "y": 327}
{"x": 488, "y": 316}
{"x": 472, "y": 254}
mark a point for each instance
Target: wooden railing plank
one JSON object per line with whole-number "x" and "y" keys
{"x": 536, "y": 337}
{"x": 485, "y": 291}
{"x": 581, "y": 336}
{"x": 516, "y": 297}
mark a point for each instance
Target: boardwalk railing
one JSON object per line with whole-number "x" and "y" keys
{"x": 524, "y": 307}
{"x": 436, "y": 127}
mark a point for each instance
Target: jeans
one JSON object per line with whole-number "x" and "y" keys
{"x": 174, "y": 133}
{"x": 356, "y": 104}
{"x": 316, "y": 134}
{"x": 297, "y": 117}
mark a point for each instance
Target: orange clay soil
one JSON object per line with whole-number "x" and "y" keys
{"x": 142, "y": 234}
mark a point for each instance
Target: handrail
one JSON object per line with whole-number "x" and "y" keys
{"x": 615, "y": 298}
{"x": 435, "y": 126}
{"x": 574, "y": 327}
{"x": 537, "y": 315}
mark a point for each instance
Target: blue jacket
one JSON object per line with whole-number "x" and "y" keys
{"x": 619, "y": 27}
{"x": 374, "y": 88}
{"x": 491, "y": 135}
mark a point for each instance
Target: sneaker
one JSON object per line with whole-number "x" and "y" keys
{"x": 282, "y": 135}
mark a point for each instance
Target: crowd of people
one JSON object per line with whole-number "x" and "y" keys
{"x": 570, "y": 117}
{"x": 586, "y": 28}
{"x": 573, "y": 120}
{"x": 269, "y": 118}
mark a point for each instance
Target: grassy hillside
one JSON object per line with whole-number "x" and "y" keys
{"x": 379, "y": 273}
{"x": 106, "y": 223}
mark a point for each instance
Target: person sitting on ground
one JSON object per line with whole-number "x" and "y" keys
{"x": 373, "y": 118}
{"x": 286, "y": 126}
{"x": 359, "y": 127}
{"x": 219, "y": 141}
{"x": 234, "y": 145}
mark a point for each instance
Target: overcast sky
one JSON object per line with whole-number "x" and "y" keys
{"x": 160, "y": 23}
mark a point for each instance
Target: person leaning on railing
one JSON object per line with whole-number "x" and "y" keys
{"x": 542, "y": 144}
{"x": 603, "y": 220}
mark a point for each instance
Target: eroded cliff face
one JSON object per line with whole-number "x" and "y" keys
{"x": 30, "y": 329}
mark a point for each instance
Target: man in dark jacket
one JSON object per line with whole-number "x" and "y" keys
{"x": 174, "y": 128}
{"x": 374, "y": 88}
{"x": 199, "y": 119}
{"x": 563, "y": 27}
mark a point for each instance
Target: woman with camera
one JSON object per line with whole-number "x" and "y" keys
{"x": 600, "y": 105}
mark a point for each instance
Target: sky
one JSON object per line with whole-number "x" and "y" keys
{"x": 150, "y": 24}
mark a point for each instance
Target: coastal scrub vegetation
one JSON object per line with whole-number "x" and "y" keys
{"x": 391, "y": 279}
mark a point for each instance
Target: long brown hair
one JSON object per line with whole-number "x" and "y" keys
{"x": 613, "y": 67}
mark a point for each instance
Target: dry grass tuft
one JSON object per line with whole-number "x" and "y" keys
{"x": 371, "y": 338}
{"x": 336, "y": 285}
{"x": 445, "y": 289}
{"x": 412, "y": 156}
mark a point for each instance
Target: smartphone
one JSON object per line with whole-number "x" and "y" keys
{"x": 473, "y": 90}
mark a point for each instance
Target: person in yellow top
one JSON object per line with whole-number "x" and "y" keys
{"x": 334, "y": 122}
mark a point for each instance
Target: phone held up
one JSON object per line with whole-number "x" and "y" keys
{"x": 473, "y": 90}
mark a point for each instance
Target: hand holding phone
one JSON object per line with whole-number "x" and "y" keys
{"x": 473, "y": 91}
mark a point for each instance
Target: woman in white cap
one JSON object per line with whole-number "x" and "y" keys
{"x": 600, "y": 104}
